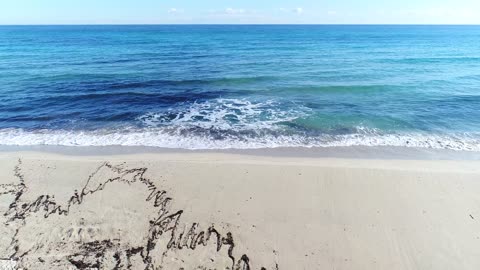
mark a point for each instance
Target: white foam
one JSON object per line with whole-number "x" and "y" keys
{"x": 161, "y": 138}
{"x": 225, "y": 114}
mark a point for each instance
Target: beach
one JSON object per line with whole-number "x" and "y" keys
{"x": 241, "y": 147}
{"x": 212, "y": 210}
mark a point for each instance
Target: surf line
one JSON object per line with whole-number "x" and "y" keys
{"x": 165, "y": 223}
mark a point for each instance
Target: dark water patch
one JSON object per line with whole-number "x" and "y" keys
{"x": 22, "y": 118}
{"x": 134, "y": 98}
{"x": 115, "y": 116}
{"x": 196, "y": 82}
{"x": 105, "y": 82}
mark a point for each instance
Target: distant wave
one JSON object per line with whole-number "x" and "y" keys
{"x": 109, "y": 81}
{"x": 442, "y": 60}
{"x": 355, "y": 89}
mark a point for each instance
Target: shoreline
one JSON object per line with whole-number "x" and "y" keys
{"x": 348, "y": 152}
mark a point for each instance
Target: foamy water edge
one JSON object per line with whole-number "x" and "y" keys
{"x": 158, "y": 138}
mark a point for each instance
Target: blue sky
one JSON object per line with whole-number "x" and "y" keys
{"x": 245, "y": 11}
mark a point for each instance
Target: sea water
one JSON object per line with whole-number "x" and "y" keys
{"x": 248, "y": 86}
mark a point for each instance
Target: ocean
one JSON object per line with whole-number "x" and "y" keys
{"x": 241, "y": 86}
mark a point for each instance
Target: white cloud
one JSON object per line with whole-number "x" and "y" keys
{"x": 298, "y": 10}
{"x": 234, "y": 11}
{"x": 175, "y": 11}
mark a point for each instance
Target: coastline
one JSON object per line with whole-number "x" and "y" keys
{"x": 277, "y": 212}
{"x": 346, "y": 152}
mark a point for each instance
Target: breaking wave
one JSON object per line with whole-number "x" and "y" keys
{"x": 235, "y": 124}
{"x": 226, "y": 115}
{"x": 168, "y": 139}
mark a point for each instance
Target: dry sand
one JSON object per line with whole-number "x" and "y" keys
{"x": 224, "y": 211}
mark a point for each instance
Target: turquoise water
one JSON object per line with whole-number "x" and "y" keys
{"x": 241, "y": 86}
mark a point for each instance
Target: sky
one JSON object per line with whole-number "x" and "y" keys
{"x": 240, "y": 12}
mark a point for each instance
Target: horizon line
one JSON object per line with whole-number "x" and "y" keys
{"x": 246, "y": 24}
